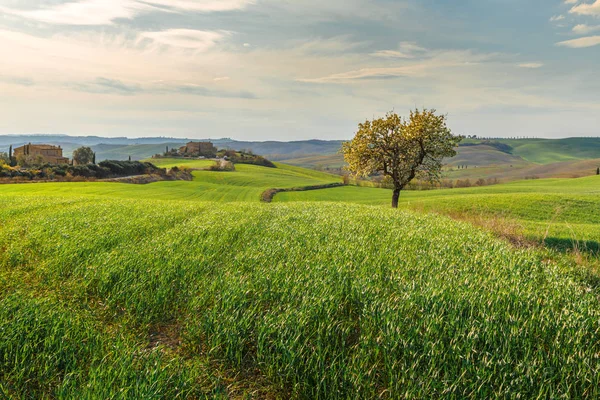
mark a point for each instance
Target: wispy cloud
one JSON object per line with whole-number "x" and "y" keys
{"x": 105, "y": 12}
{"x": 185, "y": 38}
{"x": 557, "y": 18}
{"x": 530, "y": 65}
{"x": 203, "y": 5}
{"x": 579, "y": 43}
{"x": 17, "y": 80}
{"x": 106, "y": 86}
{"x": 587, "y": 9}
{"x": 405, "y": 50}
{"x": 584, "y": 29}
{"x": 428, "y": 62}
{"x": 197, "y": 90}
{"x": 86, "y": 12}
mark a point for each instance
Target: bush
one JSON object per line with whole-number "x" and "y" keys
{"x": 222, "y": 165}
{"x": 125, "y": 168}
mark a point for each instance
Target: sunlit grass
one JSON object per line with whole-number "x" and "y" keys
{"x": 311, "y": 300}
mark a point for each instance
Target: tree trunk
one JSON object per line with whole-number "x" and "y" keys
{"x": 395, "y": 198}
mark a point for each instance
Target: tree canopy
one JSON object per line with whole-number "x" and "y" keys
{"x": 83, "y": 155}
{"x": 401, "y": 149}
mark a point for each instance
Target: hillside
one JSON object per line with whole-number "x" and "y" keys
{"x": 504, "y": 159}
{"x": 562, "y": 213}
{"x": 245, "y": 184}
{"x": 102, "y": 294}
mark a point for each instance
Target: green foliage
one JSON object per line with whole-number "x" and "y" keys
{"x": 30, "y": 161}
{"x": 246, "y": 157}
{"x": 401, "y": 149}
{"x": 125, "y": 168}
{"x": 5, "y": 159}
{"x": 83, "y": 155}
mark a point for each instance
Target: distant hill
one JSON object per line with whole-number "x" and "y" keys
{"x": 506, "y": 159}
{"x": 140, "y": 148}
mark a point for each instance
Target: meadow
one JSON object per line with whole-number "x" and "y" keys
{"x": 245, "y": 184}
{"x": 561, "y": 213}
{"x": 198, "y": 290}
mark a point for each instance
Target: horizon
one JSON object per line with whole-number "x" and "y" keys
{"x": 261, "y": 141}
{"x": 282, "y": 70}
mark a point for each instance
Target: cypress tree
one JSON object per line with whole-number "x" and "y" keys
{"x": 94, "y": 158}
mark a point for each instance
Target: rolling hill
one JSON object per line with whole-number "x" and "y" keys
{"x": 504, "y": 159}
{"x": 198, "y": 290}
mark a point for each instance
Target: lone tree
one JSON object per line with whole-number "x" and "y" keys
{"x": 83, "y": 155}
{"x": 401, "y": 149}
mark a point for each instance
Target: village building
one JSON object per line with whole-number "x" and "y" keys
{"x": 50, "y": 154}
{"x": 201, "y": 149}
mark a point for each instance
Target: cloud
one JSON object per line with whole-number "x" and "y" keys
{"x": 557, "y": 18}
{"x": 571, "y": 1}
{"x": 86, "y": 12}
{"x": 530, "y": 65}
{"x": 197, "y": 90}
{"x": 391, "y": 54}
{"x": 185, "y": 38}
{"x": 106, "y": 86}
{"x": 425, "y": 65}
{"x": 588, "y": 41}
{"x": 587, "y": 9}
{"x": 584, "y": 29}
{"x": 105, "y": 12}
{"x": 203, "y": 5}
{"x": 17, "y": 80}
{"x": 405, "y": 50}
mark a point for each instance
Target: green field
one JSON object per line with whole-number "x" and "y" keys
{"x": 198, "y": 290}
{"x": 245, "y": 184}
{"x": 563, "y": 213}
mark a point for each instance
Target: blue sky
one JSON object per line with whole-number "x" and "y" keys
{"x": 297, "y": 69}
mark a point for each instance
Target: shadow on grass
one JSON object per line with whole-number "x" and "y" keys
{"x": 586, "y": 253}
{"x": 590, "y": 247}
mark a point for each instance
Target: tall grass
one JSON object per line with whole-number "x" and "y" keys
{"x": 302, "y": 300}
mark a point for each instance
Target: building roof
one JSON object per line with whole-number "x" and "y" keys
{"x": 40, "y": 146}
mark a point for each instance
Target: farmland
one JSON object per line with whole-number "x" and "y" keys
{"x": 198, "y": 290}
{"x": 245, "y": 184}
{"x": 561, "y": 212}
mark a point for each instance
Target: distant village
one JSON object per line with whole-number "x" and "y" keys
{"x": 40, "y": 154}
{"x": 47, "y": 162}
{"x": 46, "y": 153}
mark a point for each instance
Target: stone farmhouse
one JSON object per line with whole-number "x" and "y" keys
{"x": 50, "y": 154}
{"x": 199, "y": 149}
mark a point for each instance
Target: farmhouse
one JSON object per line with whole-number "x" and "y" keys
{"x": 205, "y": 149}
{"x": 50, "y": 154}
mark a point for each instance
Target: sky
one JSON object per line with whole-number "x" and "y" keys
{"x": 297, "y": 69}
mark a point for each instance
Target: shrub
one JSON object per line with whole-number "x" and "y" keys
{"x": 222, "y": 165}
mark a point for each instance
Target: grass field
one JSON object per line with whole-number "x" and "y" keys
{"x": 198, "y": 290}
{"x": 245, "y": 184}
{"x": 562, "y": 212}
{"x": 132, "y": 299}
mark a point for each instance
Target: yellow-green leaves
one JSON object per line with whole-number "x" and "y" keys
{"x": 402, "y": 149}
